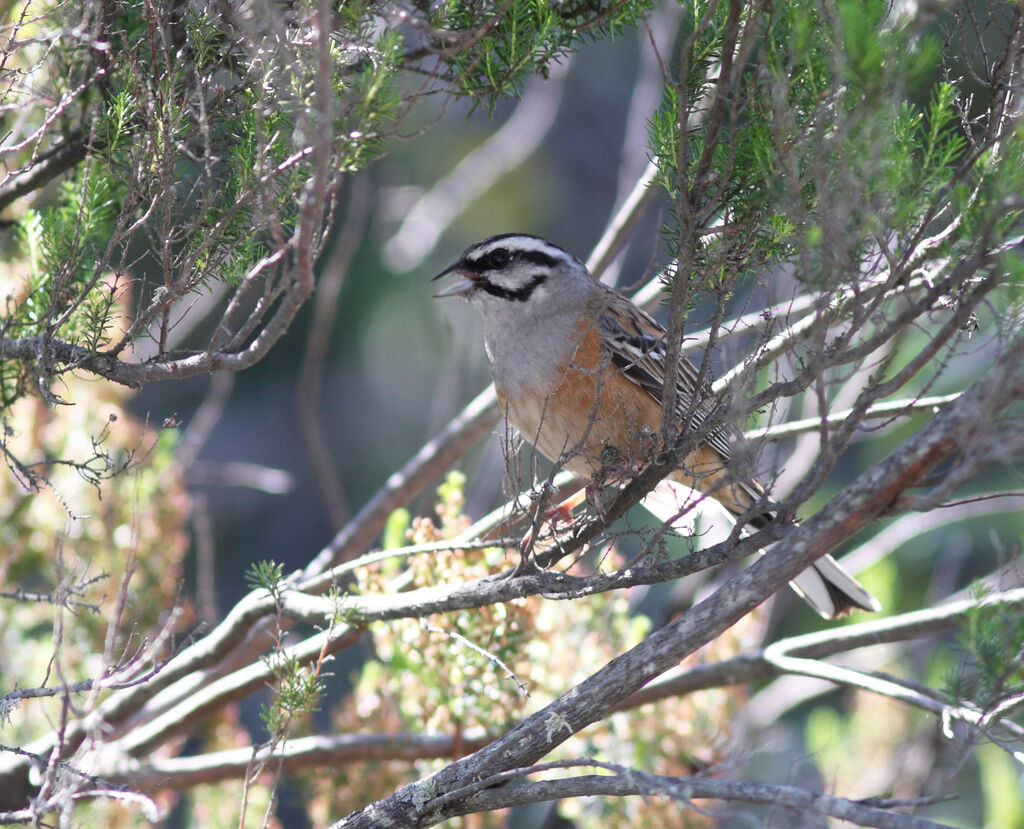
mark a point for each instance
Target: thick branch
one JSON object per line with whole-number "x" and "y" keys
{"x": 630, "y": 782}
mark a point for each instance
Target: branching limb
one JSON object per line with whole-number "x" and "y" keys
{"x": 622, "y": 782}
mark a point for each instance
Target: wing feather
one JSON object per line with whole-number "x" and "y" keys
{"x": 636, "y": 345}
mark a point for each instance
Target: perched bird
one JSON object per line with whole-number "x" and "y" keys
{"x": 580, "y": 371}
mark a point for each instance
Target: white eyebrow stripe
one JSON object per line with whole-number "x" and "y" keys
{"x": 523, "y": 243}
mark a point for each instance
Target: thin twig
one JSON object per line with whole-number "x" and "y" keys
{"x": 873, "y": 412}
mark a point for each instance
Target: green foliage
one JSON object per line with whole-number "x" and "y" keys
{"x": 395, "y": 529}
{"x": 494, "y": 45}
{"x": 266, "y": 575}
{"x": 200, "y": 148}
{"x": 451, "y": 494}
{"x": 66, "y": 247}
{"x": 993, "y": 641}
{"x": 364, "y": 127}
{"x": 202, "y": 143}
{"x": 819, "y": 152}
{"x": 664, "y": 140}
{"x": 862, "y": 52}
{"x": 297, "y": 693}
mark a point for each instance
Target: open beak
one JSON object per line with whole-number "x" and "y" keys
{"x": 467, "y": 284}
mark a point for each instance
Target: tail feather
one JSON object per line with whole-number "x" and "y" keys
{"x": 825, "y": 585}
{"x": 831, "y": 591}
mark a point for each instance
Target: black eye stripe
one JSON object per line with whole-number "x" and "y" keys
{"x": 478, "y": 264}
{"x": 536, "y": 257}
{"x": 518, "y": 294}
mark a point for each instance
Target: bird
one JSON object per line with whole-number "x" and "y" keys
{"x": 579, "y": 371}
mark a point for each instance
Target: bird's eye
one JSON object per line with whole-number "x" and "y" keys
{"x": 499, "y": 258}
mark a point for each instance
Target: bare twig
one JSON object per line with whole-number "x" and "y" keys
{"x": 890, "y": 409}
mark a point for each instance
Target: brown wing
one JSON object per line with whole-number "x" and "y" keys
{"x": 636, "y": 344}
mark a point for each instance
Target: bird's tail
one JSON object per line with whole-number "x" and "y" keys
{"x": 831, "y": 591}
{"x": 825, "y": 585}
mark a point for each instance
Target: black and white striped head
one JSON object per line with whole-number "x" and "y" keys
{"x": 516, "y": 269}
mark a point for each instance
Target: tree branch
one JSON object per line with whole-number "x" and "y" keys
{"x": 51, "y": 164}
{"x": 626, "y": 782}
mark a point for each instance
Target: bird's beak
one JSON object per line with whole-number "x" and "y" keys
{"x": 464, "y": 286}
